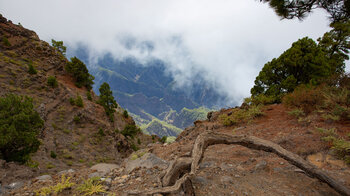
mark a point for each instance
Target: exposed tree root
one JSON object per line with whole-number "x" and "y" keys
{"x": 172, "y": 183}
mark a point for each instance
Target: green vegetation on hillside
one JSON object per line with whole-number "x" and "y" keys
{"x": 51, "y": 81}
{"x": 130, "y": 130}
{"x": 20, "y": 125}
{"x": 160, "y": 128}
{"x": 339, "y": 144}
{"x": 80, "y": 73}
{"x": 58, "y": 45}
{"x": 306, "y": 62}
{"x": 186, "y": 116}
{"x": 241, "y": 115}
{"x": 107, "y": 100}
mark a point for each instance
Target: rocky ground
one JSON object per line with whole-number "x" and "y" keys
{"x": 224, "y": 169}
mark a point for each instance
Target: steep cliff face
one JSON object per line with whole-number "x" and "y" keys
{"x": 72, "y": 136}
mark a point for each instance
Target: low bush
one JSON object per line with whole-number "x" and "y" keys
{"x": 305, "y": 97}
{"x": 101, "y": 132}
{"x": 297, "y": 113}
{"x": 31, "y": 69}
{"x": 51, "y": 81}
{"x": 91, "y": 186}
{"x": 78, "y": 101}
{"x": 337, "y": 103}
{"x": 125, "y": 114}
{"x": 53, "y": 154}
{"x": 88, "y": 95}
{"x": 241, "y": 115}
{"x": 76, "y": 119}
{"x": 5, "y": 41}
{"x": 130, "y": 130}
{"x": 163, "y": 139}
{"x": 58, "y": 188}
{"x": 338, "y": 144}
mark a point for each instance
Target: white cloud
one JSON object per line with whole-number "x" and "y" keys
{"x": 228, "y": 40}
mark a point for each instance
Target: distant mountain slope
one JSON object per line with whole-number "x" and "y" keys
{"x": 149, "y": 90}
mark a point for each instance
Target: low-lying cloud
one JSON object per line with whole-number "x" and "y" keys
{"x": 226, "y": 41}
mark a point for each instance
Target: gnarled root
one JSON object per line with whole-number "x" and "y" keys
{"x": 179, "y": 174}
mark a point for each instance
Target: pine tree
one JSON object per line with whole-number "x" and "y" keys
{"x": 80, "y": 72}
{"x": 20, "y": 125}
{"x": 59, "y": 46}
{"x": 305, "y": 62}
{"x": 338, "y": 10}
{"x": 107, "y": 100}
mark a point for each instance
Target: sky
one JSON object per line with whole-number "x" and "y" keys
{"x": 226, "y": 41}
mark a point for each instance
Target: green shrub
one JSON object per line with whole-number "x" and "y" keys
{"x": 101, "y": 132}
{"x": 337, "y": 102}
{"x": 134, "y": 147}
{"x": 138, "y": 141}
{"x": 260, "y": 99}
{"x": 53, "y": 154}
{"x": 5, "y": 41}
{"x": 31, "y": 69}
{"x": 163, "y": 139}
{"x": 297, "y": 113}
{"x": 58, "y": 188}
{"x": 226, "y": 120}
{"x": 88, "y": 96}
{"x": 130, "y": 130}
{"x": 306, "y": 97}
{"x": 71, "y": 101}
{"x": 76, "y": 119}
{"x": 79, "y": 101}
{"x": 80, "y": 73}
{"x": 125, "y": 114}
{"x": 92, "y": 186}
{"x": 339, "y": 144}
{"x": 51, "y": 81}
{"x": 20, "y": 126}
{"x": 49, "y": 166}
{"x": 241, "y": 115}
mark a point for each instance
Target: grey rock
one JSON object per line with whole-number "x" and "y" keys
{"x": 95, "y": 174}
{"x": 148, "y": 160}
{"x": 66, "y": 172}
{"x": 44, "y": 178}
{"x": 200, "y": 180}
{"x": 260, "y": 166}
{"x": 14, "y": 185}
{"x": 226, "y": 179}
{"x": 104, "y": 168}
{"x": 206, "y": 164}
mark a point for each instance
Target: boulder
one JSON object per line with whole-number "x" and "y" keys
{"x": 103, "y": 168}
{"x": 148, "y": 160}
